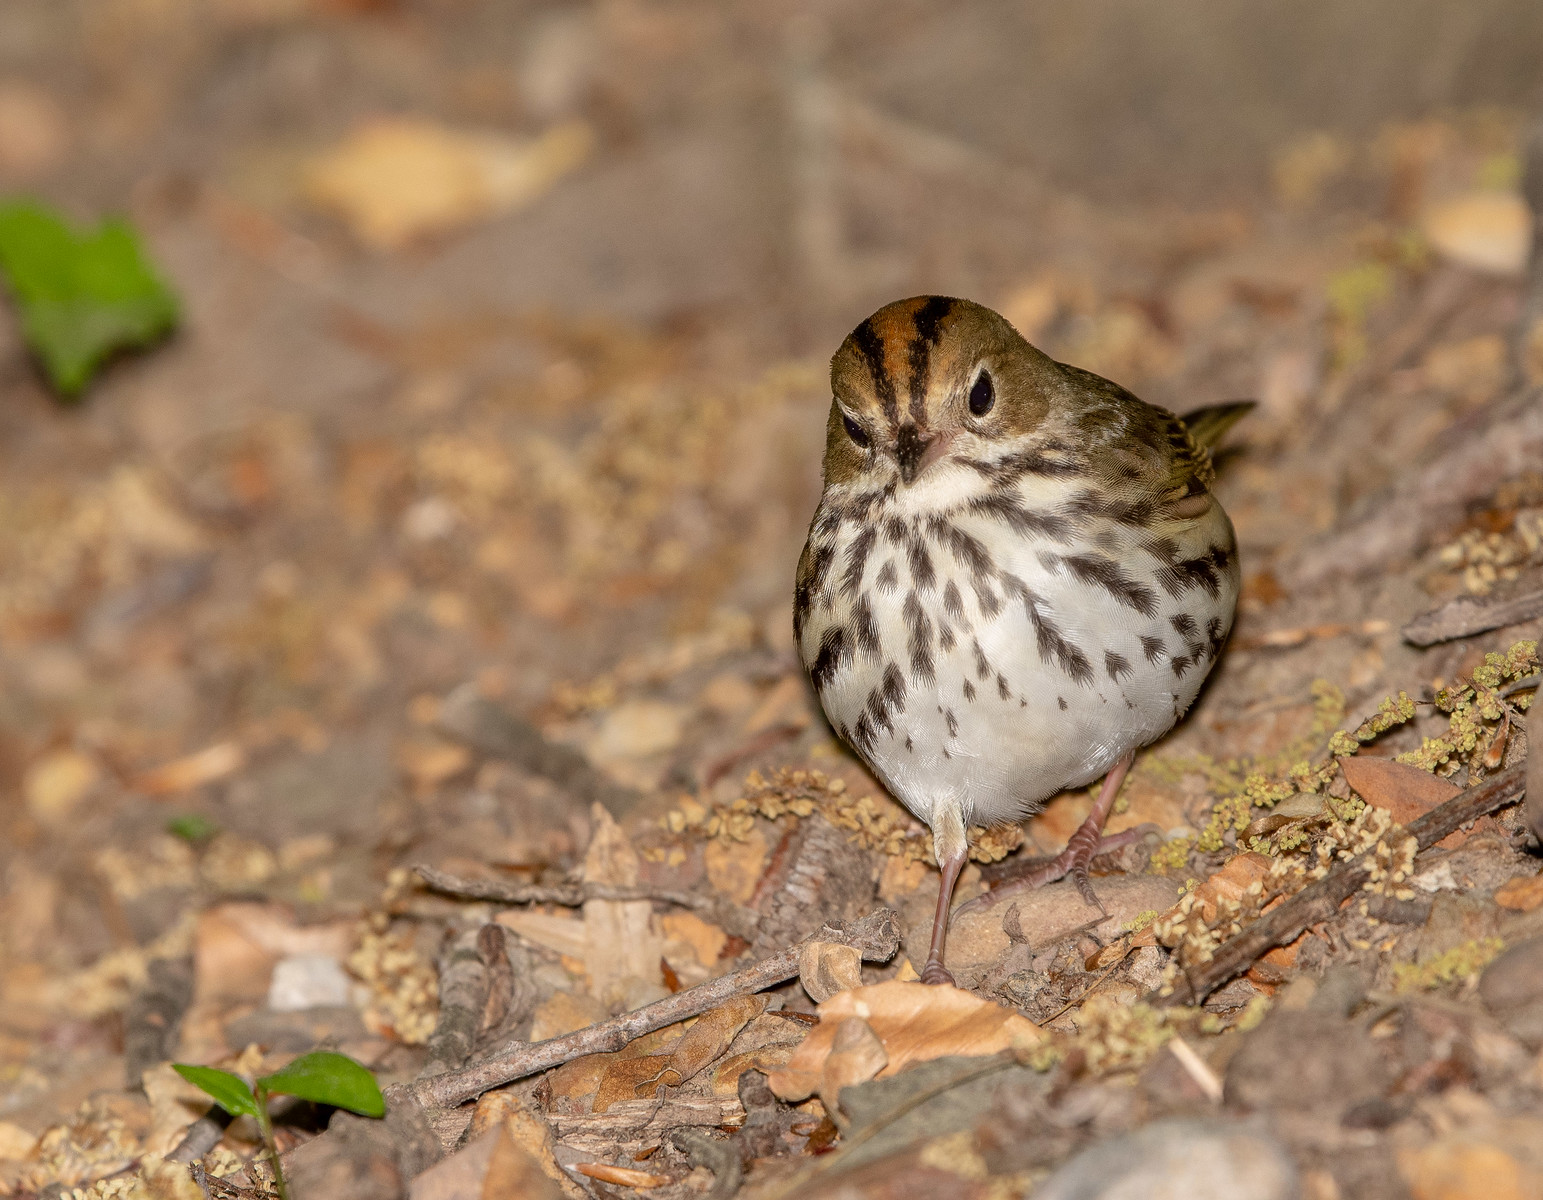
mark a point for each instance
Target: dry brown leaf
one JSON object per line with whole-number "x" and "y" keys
{"x": 726, "y": 1074}
{"x": 914, "y": 1021}
{"x": 825, "y": 968}
{"x": 711, "y": 1034}
{"x": 489, "y": 1168}
{"x": 582, "y": 1076}
{"x": 15, "y": 1142}
{"x": 638, "y": 729}
{"x": 1459, "y": 1168}
{"x": 529, "y": 1130}
{"x": 563, "y": 1012}
{"x": 621, "y": 1176}
{"x": 1405, "y": 792}
{"x": 630, "y": 1079}
{"x": 856, "y": 1056}
{"x": 55, "y": 784}
{"x": 1488, "y": 231}
{"x": 734, "y": 868}
{"x": 398, "y": 179}
{"x": 621, "y": 942}
{"x": 705, "y": 939}
{"x": 174, "y": 1105}
{"x": 1522, "y": 894}
{"x": 1232, "y": 882}
{"x": 556, "y": 931}
{"x": 429, "y": 761}
{"x": 209, "y": 765}
{"x": 707, "y": 1038}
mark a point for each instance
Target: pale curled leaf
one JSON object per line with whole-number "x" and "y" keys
{"x": 856, "y": 1056}
{"x": 622, "y": 941}
{"x": 825, "y": 968}
{"x": 914, "y": 1022}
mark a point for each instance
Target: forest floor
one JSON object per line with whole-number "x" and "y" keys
{"x": 458, "y": 531}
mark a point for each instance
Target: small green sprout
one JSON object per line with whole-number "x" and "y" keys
{"x": 192, "y": 827}
{"x": 321, "y": 1076}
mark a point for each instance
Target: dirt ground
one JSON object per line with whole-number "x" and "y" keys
{"x": 456, "y": 528}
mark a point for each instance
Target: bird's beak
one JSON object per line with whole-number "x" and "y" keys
{"x": 916, "y": 451}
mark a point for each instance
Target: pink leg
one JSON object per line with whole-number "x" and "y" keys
{"x": 935, "y": 971}
{"x": 1085, "y": 845}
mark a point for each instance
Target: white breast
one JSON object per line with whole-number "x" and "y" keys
{"x": 996, "y": 655}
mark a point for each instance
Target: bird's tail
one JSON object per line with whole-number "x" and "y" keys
{"x": 1206, "y": 425}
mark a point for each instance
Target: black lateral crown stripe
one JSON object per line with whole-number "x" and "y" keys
{"x": 928, "y": 318}
{"x": 872, "y": 350}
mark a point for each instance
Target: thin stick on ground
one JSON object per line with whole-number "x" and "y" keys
{"x": 1319, "y": 901}
{"x": 571, "y": 895}
{"x": 1468, "y": 615}
{"x": 876, "y": 937}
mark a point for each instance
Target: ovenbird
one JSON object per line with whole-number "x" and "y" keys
{"x": 1016, "y": 577}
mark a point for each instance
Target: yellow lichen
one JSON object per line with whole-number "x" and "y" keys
{"x": 875, "y": 823}
{"x": 1461, "y": 963}
{"x": 404, "y": 987}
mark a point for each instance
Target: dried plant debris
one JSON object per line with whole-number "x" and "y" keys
{"x": 874, "y": 824}
{"x": 1479, "y": 713}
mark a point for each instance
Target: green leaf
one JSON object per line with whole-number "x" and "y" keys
{"x": 328, "y": 1078}
{"x": 82, "y": 296}
{"x": 192, "y": 827}
{"x": 230, "y": 1092}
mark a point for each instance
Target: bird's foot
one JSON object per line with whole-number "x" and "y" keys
{"x": 935, "y": 972}
{"x": 1084, "y": 847}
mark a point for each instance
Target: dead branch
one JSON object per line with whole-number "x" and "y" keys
{"x": 1468, "y": 615}
{"x": 876, "y": 937}
{"x": 731, "y": 917}
{"x": 1319, "y": 901}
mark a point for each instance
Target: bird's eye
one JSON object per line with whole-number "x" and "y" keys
{"x": 855, "y": 431}
{"x": 983, "y": 395}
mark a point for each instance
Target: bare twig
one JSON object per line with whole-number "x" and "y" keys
{"x": 730, "y": 916}
{"x": 1468, "y": 615}
{"x": 877, "y": 937}
{"x": 1321, "y": 900}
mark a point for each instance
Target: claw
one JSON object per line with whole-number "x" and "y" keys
{"x": 1079, "y": 874}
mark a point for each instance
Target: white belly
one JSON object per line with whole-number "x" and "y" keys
{"x": 1030, "y": 678}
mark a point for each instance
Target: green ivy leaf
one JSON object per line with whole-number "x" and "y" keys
{"x": 192, "y": 827}
{"x": 81, "y": 296}
{"x": 230, "y": 1092}
{"x": 328, "y": 1078}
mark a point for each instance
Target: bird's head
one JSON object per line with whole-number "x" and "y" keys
{"x": 930, "y": 379}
